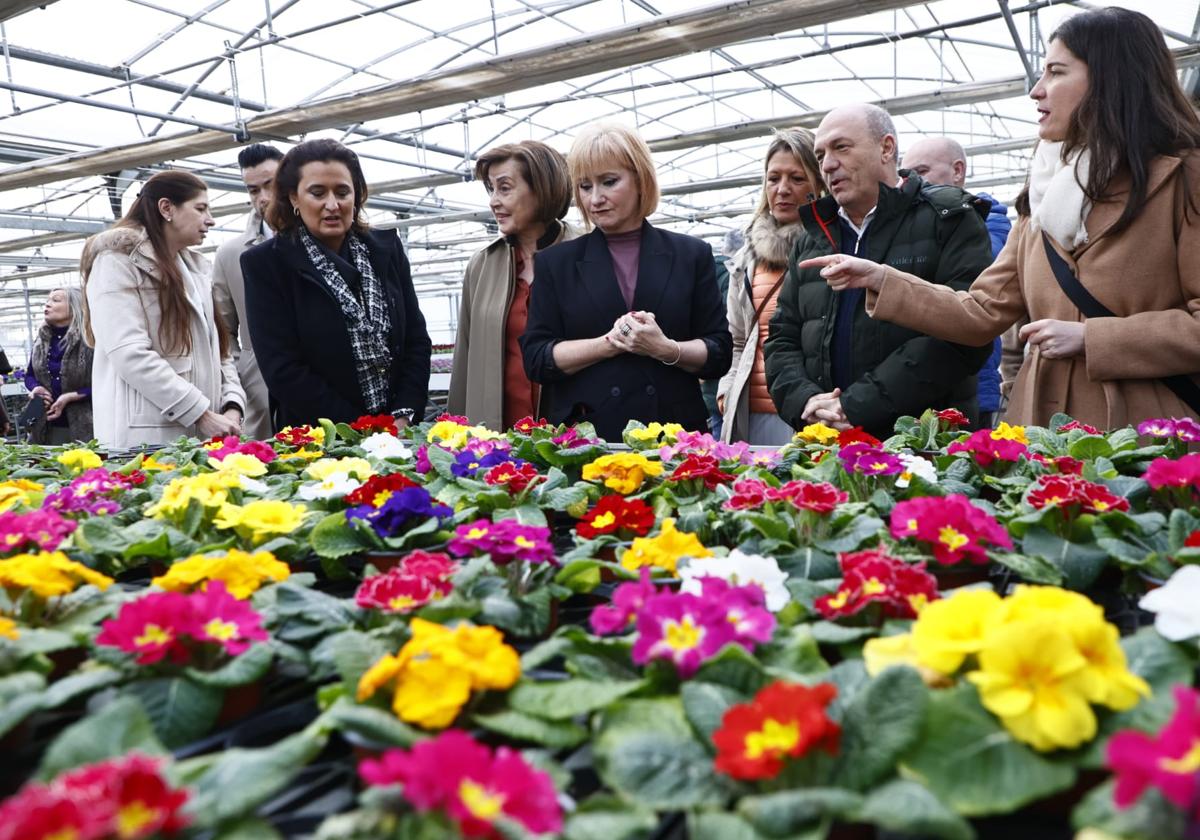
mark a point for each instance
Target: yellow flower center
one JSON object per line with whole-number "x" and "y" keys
{"x": 773, "y": 738}
{"x": 839, "y": 600}
{"x": 910, "y": 525}
{"x": 13, "y": 539}
{"x": 1187, "y": 764}
{"x": 873, "y": 587}
{"x": 952, "y": 538}
{"x": 401, "y": 602}
{"x": 918, "y": 601}
{"x": 604, "y": 520}
{"x": 683, "y": 635}
{"x": 152, "y": 634}
{"x": 381, "y": 497}
{"x": 1100, "y": 505}
{"x": 68, "y": 833}
{"x": 133, "y": 818}
{"x": 481, "y": 802}
{"x": 221, "y": 630}
{"x": 524, "y": 542}
{"x": 476, "y": 533}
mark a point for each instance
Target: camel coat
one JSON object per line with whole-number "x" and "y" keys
{"x": 1148, "y": 275}
{"x": 141, "y": 395}
{"x": 229, "y": 287}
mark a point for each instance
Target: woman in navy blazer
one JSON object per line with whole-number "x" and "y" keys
{"x": 332, "y": 311}
{"x": 625, "y": 321}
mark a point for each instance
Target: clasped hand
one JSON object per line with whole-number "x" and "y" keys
{"x": 827, "y": 409}
{"x": 639, "y": 332}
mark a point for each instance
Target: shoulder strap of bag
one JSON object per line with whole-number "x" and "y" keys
{"x": 758, "y": 310}
{"x": 1183, "y": 387}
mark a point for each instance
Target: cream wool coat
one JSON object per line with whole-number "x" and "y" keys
{"x": 768, "y": 240}
{"x": 1148, "y": 275}
{"x": 141, "y": 395}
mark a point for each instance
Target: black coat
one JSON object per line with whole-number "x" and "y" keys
{"x": 301, "y": 341}
{"x": 576, "y": 296}
{"x": 936, "y": 233}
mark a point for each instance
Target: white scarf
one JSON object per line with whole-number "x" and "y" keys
{"x": 1056, "y": 198}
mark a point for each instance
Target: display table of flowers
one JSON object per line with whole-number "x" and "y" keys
{"x": 357, "y": 631}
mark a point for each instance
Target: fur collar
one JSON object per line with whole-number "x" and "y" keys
{"x": 771, "y": 242}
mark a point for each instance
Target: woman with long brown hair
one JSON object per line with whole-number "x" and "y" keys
{"x": 1105, "y": 257}
{"x": 162, "y": 366}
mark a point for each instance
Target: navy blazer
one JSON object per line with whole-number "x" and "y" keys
{"x": 300, "y": 338}
{"x": 576, "y": 296}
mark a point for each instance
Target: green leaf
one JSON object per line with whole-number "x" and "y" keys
{"x": 789, "y": 811}
{"x": 1031, "y": 569}
{"x": 333, "y": 537}
{"x": 372, "y": 723}
{"x": 20, "y": 696}
{"x": 646, "y": 751}
{"x": 973, "y": 764}
{"x": 734, "y": 668}
{"x": 910, "y": 808}
{"x": 793, "y": 652}
{"x": 1080, "y": 563}
{"x": 562, "y": 498}
{"x": 240, "y": 780}
{"x": 82, "y": 682}
{"x": 519, "y": 726}
{"x": 352, "y": 654}
{"x": 706, "y": 703}
{"x": 247, "y": 667}
{"x": 861, "y": 529}
{"x": 713, "y": 825}
{"x": 568, "y": 698}
{"x": 1089, "y": 448}
{"x": 181, "y": 710}
{"x": 870, "y": 747}
{"x": 251, "y": 828}
{"x": 118, "y": 728}
{"x": 1151, "y": 817}
{"x": 610, "y": 824}
{"x": 831, "y": 633}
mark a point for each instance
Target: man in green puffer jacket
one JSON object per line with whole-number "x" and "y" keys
{"x": 826, "y": 360}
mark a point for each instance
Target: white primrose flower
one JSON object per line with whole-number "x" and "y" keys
{"x": 739, "y": 569}
{"x": 915, "y": 465}
{"x": 253, "y": 485}
{"x": 383, "y": 445}
{"x": 1176, "y": 616}
{"x": 333, "y": 486}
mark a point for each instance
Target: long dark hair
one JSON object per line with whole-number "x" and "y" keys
{"x": 1134, "y": 108}
{"x": 280, "y": 215}
{"x": 174, "y": 329}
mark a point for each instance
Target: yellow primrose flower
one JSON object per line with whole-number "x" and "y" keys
{"x": 665, "y": 550}
{"x": 433, "y": 675}
{"x": 1007, "y": 432}
{"x": 48, "y": 574}
{"x": 151, "y": 464}
{"x": 817, "y": 433}
{"x": 243, "y": 573}
{"x": 324, "y": 468}
{"x": 209, "y": 489}
{"x": 655, "y": 431}
{"x": 448, "y": 433}
{"x": 79, "y": 459}
{"x": 623, "y": 472}
{"x": 261, "y": 519}
{"x": 18, "y": 491}
{"x": 304, "y": 454}
{"x": 951, "y": 629}
{"x": 8, "y": 629}
{"x": 239, "y": 463}
{"x": 483, "y": 433}
{"x": 883, "y": 652}
{"x": 1031, "y": 677}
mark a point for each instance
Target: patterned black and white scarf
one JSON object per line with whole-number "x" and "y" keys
{"x": 367, "y": 321}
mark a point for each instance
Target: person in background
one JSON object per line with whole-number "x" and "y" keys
{"x": 1105, "y": 257}
{"x": 731, "y": 243}
{"x": 529, "y": 192}
{"x": 625, "y": 321}
{"x": 162, "y": 366}
{"x": 258, "y": 163}
{"x": 826, "y": 360}
{"x": 791, "y": 179}
{"x": 941, "y": 160}
{"x": 60, "y": 371}
{"x": 333, "y": 314}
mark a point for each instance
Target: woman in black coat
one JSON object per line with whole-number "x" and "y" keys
{"x": 333, "y": 315}
{"x": 626, "y": 321}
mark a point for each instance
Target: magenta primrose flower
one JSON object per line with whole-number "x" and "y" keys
{"x": 504, "y": 541}
{"x": 702, "y": 443}
{"x": 744, "y": 607}
{"x": 1184, "y": 428}
{"x": 748, "y": 494}
{"x": 865, "y": 459}
{"x": 474, "y": 786}
{"x": 987, "y": 449}
{"x": 1169, "y": 761}
{"x": 232, "y": 444}
{"x": 89, "y": 492}
{"x": 1170, "y": 472}
{"x": 684, "y": 629}
{"x": 45, "y": 529}
{"x": 627, "y": 601}
{"x": 223, "y": 619}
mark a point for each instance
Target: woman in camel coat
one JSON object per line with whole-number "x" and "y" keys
{"x": 1133, "y": 243}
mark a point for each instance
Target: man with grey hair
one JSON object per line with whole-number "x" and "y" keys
{"x": 826, "y": 360}
{"x": 942, "y": 160}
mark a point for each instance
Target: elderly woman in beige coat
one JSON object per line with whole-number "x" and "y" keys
{"x": 529, "y": 191}
{"x": 791, "y": 178}
{"x": 162, "y": 367}
{"x": 1111, "y": 199}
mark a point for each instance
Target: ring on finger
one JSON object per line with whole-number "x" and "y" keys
{"x": 625, "y": 330}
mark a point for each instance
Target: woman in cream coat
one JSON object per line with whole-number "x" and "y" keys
{"x": 791, "y": 177}
{"x": 162, "y": 367}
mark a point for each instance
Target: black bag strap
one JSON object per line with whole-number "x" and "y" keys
{"x": 1183, "y": 387}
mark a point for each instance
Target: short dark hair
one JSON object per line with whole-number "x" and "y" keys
{"x": 543, "y": 168}
{"x": 257, "y": 153}
{"x": 281, "y": 216}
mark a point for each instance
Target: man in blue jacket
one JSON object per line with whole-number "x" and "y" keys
{"x": 941, "y": 160}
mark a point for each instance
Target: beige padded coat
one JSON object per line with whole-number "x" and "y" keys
{"x": 141, "y": 395}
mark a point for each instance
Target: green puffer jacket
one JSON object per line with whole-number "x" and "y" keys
{"x": 936, "y": 233}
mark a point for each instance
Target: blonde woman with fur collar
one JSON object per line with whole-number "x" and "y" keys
{"x": 791, "y": 179}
